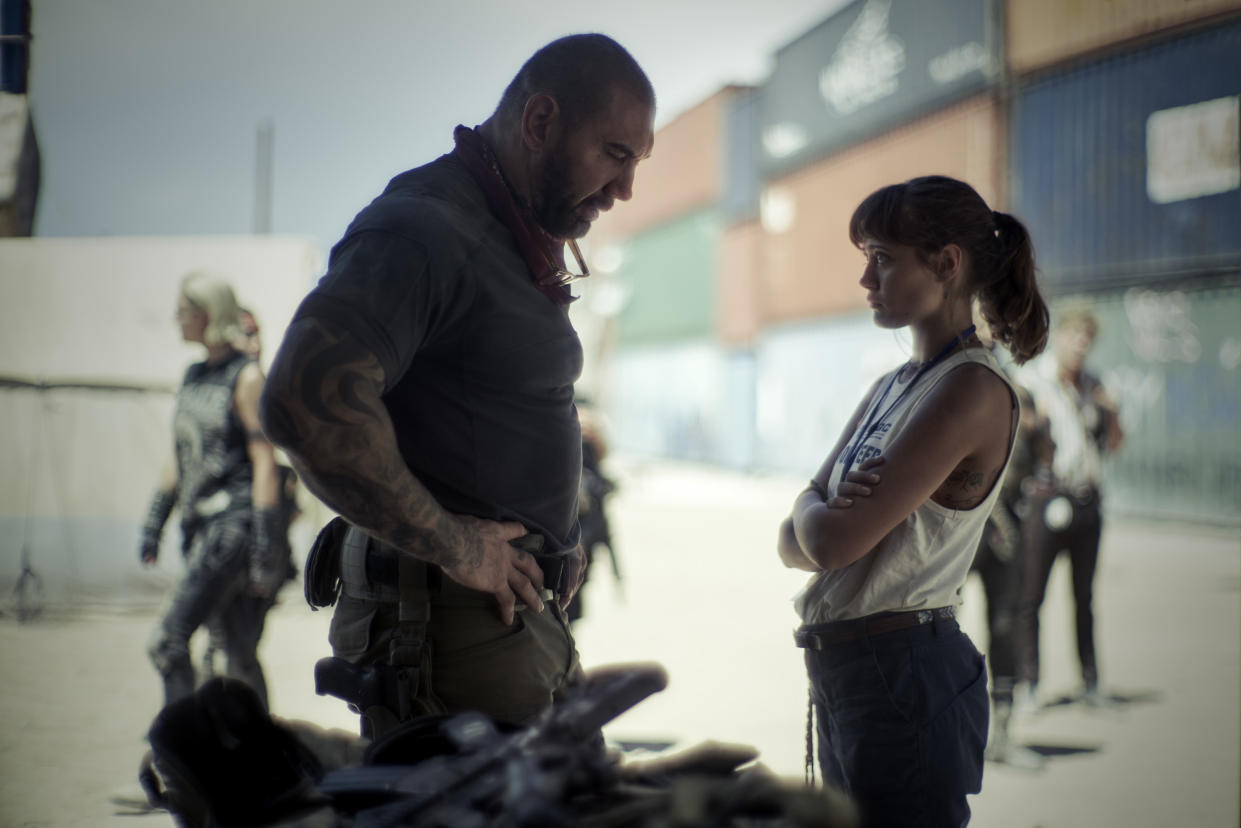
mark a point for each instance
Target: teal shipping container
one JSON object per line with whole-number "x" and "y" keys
{"x": 1172, "y": 360}
{"x": 669, "y": 276}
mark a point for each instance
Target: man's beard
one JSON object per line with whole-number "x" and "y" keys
{"x": 553, "y": 205}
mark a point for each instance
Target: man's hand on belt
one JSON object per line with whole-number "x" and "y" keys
{"x": 577, "y": 575}
{"x": 489, "y": 563}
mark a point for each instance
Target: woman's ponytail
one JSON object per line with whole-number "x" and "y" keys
{"x": 1010, "y": 299}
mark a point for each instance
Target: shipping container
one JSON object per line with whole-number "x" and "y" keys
{"x": 1045, "y": 32}
{"x": 669, "y": 281}
{"x": 810, "y": 377}
{"x": 1127, "y": 170}
{"x": 1172, "y": 360}
{"x": 738, "y": 445}
{"x": 671, "y": 400}
{"x": 742, "y": 157}
{"x": 870, "y": 67}
{"x": 807, "y": 265}
{"x": 737, "y": 288}
{"x": 684, "y": 173}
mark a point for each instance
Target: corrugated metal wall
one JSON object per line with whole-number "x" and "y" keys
{"x": 1118, "y": 181}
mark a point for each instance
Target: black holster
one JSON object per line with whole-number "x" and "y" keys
{"x": 322, "y": 576}
{"x": 384, "y": 690}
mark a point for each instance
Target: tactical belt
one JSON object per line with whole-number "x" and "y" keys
{"x": 373, "y": 575}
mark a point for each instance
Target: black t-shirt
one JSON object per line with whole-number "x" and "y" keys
{"x": 479, "y": 365}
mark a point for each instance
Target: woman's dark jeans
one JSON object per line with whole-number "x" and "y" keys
{"x": 902, "y": 723}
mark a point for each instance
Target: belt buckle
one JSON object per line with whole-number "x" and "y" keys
{"x": 545, "y": 595}
{"x": 925, "y": 616}
{"x": 807, "y": 640}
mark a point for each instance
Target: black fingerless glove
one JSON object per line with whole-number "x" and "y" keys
{"x": 153, "y": 527}
{"x": 269, "y": 549}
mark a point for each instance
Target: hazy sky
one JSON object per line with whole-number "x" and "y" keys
{"x": 147, "y": 110}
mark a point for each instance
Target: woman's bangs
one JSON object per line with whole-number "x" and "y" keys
{"x": 879, "y": 217}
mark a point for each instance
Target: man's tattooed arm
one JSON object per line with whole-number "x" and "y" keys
{"x": 322, "y": 405}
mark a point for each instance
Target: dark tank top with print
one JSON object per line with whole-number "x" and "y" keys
{"x": 213, "y": 465}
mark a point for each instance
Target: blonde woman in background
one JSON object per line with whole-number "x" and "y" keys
{"x": 226, "y": 486}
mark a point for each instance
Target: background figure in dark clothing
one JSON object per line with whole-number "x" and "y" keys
{"x": 594, "y": 492}
{"x": 226, "y": 487}
{"x": 243, "y": 628}
{"x": 247, "y": 624}
{"x": 999, "y": 564}
{"x": 1064, "y": 507}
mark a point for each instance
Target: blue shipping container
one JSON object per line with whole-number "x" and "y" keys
{"x": 1126, "y": 171}
{"x": 741, "y": 158}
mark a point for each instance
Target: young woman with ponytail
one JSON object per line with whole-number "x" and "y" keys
{"x": 891, "y": 520}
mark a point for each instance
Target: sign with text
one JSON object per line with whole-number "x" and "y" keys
{"x": 871, "y": 66}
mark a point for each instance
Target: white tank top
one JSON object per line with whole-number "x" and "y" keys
{"x": 924, "y": 561}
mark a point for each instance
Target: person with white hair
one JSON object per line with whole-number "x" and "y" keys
{"x": 1065, "y": 511}
{"x": 226, "y": 486}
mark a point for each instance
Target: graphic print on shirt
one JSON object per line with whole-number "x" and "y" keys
{"x": 860, "y": 450}
{"x": 212, "y": 464}
{"x": 867, "y": 440}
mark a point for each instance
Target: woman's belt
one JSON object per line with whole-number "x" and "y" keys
{"x": 818, "y": 636}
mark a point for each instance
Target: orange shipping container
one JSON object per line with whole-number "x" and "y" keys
{"x": 736, "y": 309}
{"x": 1044, "y": 32}
{"x": 807, "y": 265}
{"x": 683, "y": 174}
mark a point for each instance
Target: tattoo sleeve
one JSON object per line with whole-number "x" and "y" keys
{"x": 322, "y": 404}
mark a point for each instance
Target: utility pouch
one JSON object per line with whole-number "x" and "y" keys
{"x": 322, "y": 577}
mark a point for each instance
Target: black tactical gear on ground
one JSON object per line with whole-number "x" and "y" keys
{"x": 218, "y": 759}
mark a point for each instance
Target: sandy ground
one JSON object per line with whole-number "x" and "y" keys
{"x": 704, "y": 596}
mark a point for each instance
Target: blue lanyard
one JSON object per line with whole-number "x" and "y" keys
{"x": 873, "y": 422}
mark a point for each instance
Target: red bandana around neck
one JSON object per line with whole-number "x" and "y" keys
{"x": 543, "y": 253}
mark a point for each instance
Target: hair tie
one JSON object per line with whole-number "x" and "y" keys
{"x": 995, "y": 223}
